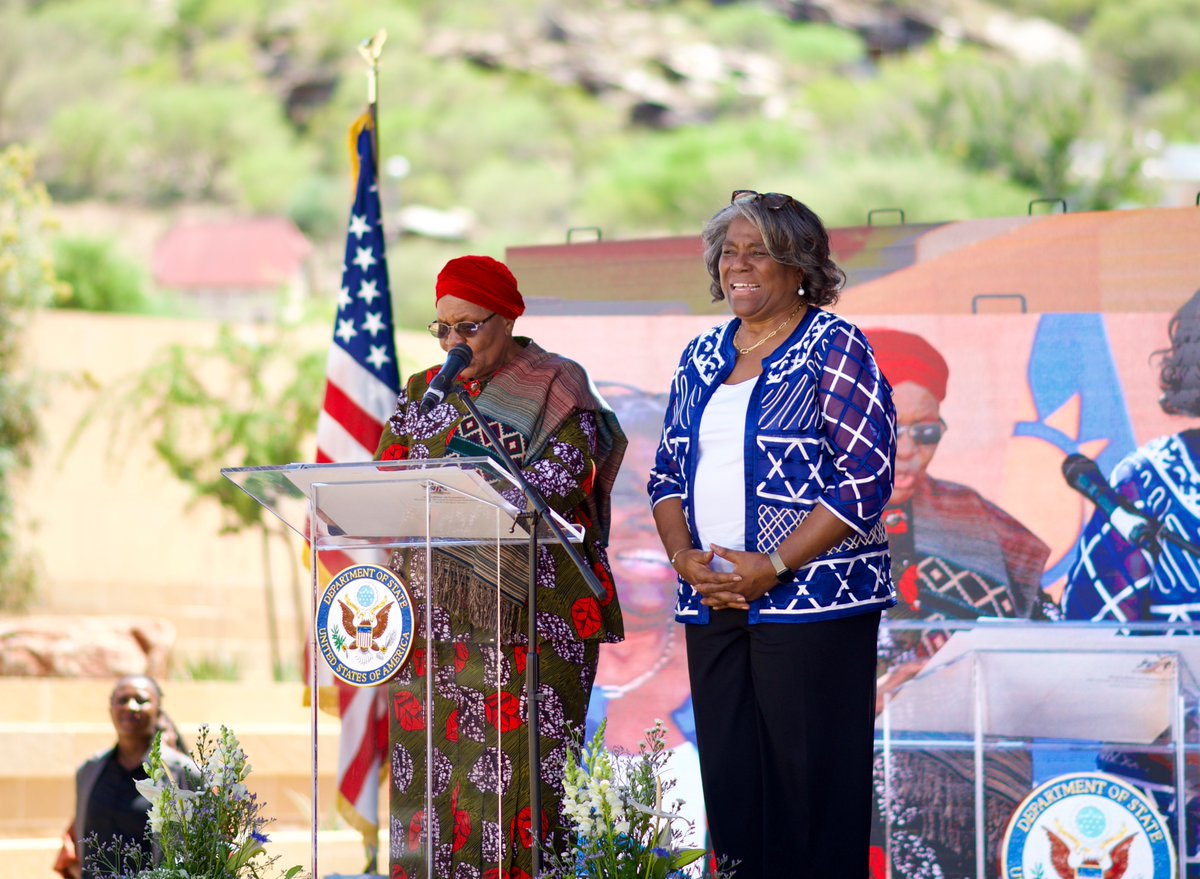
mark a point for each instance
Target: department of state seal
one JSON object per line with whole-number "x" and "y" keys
{"x": 365, "y": 625}
{"x": 1087, "y": 826}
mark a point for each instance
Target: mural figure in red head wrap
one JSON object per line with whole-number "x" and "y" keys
{"x": 955, "y": 555}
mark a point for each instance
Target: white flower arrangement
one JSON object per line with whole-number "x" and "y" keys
{"x": 214, "y": 830}
{"x": 614, "y": 803}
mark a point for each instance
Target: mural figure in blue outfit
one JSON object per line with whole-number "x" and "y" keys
{"x": 1114, "y": 579}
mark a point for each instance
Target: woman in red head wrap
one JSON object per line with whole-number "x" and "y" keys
{"x": 567, "y": 441}
{"x": 955, "y": 555}
{"x": 481, "y": 293}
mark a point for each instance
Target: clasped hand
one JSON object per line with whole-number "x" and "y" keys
{"x": 752, "y": 576}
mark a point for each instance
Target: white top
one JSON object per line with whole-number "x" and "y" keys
{"x": 719, "y": 493}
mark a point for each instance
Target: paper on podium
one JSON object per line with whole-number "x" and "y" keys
{"x": 381, "y": 502}
{"x": 1049, "y": 681}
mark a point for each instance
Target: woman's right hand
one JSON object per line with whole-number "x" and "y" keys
{"x": 694, "y": 567}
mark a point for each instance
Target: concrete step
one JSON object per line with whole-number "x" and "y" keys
{"x": 84, "y": 701}
{"x": 48, "y": 727}
{"x": 225, "y": 622}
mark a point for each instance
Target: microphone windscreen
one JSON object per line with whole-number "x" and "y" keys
{"x": 1077, "y": 469}
{"x": 462, "y": 351}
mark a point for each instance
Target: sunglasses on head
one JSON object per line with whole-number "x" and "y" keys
{"x": 928, "y": 433}
{"x": 465, "y": 328}
{"x": 772, "y": 201}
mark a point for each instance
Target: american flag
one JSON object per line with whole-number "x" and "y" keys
{"x": 362, "y": 381}
{"x": 362, "y": 378}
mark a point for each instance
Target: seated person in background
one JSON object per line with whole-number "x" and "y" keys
{"x": 67, "y": 863}
{"x": 955, "y": 555}
{"x": 107, "y": 804}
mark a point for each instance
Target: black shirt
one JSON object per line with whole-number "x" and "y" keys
{"x": 116, "y": 809}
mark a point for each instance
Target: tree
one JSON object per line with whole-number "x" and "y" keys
{"x": 26, "y": 281}
{"x": 1155, "y": 42}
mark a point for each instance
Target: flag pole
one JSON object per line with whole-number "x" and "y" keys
{"x": 370, "y": 50}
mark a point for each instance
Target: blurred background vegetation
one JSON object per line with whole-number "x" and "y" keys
{"x": 518, "y": 119}
{"x": 509, "y": 122}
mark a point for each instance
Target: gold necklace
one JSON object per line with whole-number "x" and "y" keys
{"x": 787, "y": 320}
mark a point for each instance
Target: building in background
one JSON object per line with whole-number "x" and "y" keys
{"x": 235, "y": 270}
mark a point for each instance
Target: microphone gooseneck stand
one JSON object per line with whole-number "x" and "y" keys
{"x": 1163, "y": 535}
{"x": 1150, "y": 534}
{"x": 540, "y": 513}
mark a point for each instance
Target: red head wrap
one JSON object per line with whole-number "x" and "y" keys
{"x": 484, "y": 281}
{"x": 906, "y": 357}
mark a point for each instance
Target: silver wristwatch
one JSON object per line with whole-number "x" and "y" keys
{"x": 782, "y": 572}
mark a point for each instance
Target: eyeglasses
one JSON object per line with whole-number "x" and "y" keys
{"x": 928, "y": 433}
{"x": 772, "y": 201}
{"x": 466, "y": 328}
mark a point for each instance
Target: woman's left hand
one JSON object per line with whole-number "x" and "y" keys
{"x": 756, "y": 571}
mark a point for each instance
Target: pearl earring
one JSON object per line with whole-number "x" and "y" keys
{"x": 800, "y": 291}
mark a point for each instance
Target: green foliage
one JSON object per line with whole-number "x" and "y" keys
{"x": 98, "y": 278}
{"x": 112, "y": 27}
{"x": 763, "y": 29}
{"x": 1074, "y": 14}
{"x": 209, "y": 142}
{"x": 1028, "y": 124}
{"x": 86, "y": 150}
{"x": 1172, "y": 111}
{"x": 46, "y": 64}
{"x": 211, "y": 668}
{"x": 244, "y": 401}
{"x": 928, "y": 188}
{"x": 27, "y": 281}
{"x": 670, "y": 182}
{"x": 1156, "y": 42}
{"x": 199, "y": 103}
{"x": 318, "y": 205}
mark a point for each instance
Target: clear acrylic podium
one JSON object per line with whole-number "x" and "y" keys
{"x": 415, "y": 515}
{"x": 1015, "y": 691}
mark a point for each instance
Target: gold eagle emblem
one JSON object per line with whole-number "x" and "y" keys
{"x": 365, "y": 625}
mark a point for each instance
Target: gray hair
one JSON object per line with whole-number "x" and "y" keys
{"x": 793, "y": 235}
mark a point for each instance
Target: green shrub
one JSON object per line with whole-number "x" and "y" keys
{"x": 98, "y": 278}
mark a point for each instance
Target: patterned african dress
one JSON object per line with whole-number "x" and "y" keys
{"x": 569, "y": 446}
{"x": 954, "y": 556}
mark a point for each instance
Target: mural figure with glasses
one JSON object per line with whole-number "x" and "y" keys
{"x": 955, "y": 556}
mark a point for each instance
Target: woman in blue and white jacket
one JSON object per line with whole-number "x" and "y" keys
{"x": 775, "y": 464}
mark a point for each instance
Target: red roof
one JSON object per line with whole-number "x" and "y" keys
{"x": 245, "y": 254}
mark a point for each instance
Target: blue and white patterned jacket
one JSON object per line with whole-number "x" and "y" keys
{"x": 1113, "y": 579}
{"x": 820, "y": 429}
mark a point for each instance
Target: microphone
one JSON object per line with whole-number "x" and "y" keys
{"x": 457, "y": 359}
{"x": 1136, "y": 526}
